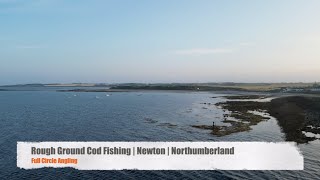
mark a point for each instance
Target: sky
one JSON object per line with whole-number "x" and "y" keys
{"x": 120, "y": 41}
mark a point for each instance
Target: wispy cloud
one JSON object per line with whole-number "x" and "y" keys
{"x": 246, "y": 44}
{"x": 28, "y": 47}
{"x": 203, "y": 51}
{"x": 30, "y": 6}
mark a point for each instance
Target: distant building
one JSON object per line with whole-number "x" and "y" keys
{"x": 315, "y": 89}
{"x": 293, "y": 90}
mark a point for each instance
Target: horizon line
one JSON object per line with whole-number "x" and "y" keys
{"x": 104, "y": 83}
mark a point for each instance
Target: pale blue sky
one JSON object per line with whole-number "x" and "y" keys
{"x": 48, "y": 41}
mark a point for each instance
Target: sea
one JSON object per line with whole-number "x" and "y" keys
{"x": 45, "y": 114}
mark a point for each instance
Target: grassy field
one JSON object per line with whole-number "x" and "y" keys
{"x": 216, "y": 86}
{"x": 269, "y": 87}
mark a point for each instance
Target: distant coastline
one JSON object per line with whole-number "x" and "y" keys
{"x": 286, "y": 88}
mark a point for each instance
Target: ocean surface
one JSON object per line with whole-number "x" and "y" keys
{"x": 46, "y": 115}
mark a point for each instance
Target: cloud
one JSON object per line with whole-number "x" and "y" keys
{"x": 203, "y": 51}
{"x": 29, "y": 6}
{"x": 7, "y": 1}
{"x": 28, "y": 47}
{"x": 246, "y": 44}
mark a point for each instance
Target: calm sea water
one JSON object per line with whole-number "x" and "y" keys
{"x": 47, "y": 115}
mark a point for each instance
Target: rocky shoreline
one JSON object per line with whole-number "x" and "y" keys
{"x": 295, "y": 115}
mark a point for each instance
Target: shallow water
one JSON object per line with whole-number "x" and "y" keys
{"x": 47, "y": 115}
